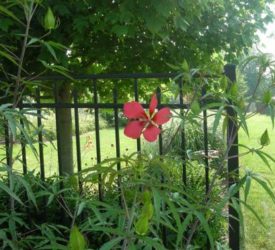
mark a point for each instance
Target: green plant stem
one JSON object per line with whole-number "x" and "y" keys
{"x": 14, "y": 105}
{"x": 29, "y": 15}
{"x": 130, "y": 222}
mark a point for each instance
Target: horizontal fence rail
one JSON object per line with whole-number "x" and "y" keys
{"x": 93, "y": 83}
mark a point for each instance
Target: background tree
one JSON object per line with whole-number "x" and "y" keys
{"x": 128, "y": 36}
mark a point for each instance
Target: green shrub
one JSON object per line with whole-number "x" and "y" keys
{"x": 195, "y": 166}
{"x": 108, "y": 116}
{"x": 134, "y": 219}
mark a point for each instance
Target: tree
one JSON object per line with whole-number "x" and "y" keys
{"x": 131, "y": 36}
{"x": 262, "y": 87}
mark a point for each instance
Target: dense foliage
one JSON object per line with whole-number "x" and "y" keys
{"x": 145, "y": 201}
{"x": 45, "y": 211}
{"x": 116, "y": 36}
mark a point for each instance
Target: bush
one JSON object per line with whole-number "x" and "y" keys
{"x": 136, "y": 218}
{"x": 110, "y": 119}
{"x": 195, "y": 166}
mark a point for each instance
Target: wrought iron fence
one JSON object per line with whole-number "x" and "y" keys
{"x": 93, "y": 81}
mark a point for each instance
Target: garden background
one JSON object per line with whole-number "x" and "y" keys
{"x": 146, "y": 204}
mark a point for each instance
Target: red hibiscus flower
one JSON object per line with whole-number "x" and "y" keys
{"x": 141, "y": 122}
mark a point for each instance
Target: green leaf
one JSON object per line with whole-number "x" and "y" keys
{"x": 28, "y": 138}
{"x": 183, "y": 228}
{"x": 265, "y": 186}
{"x": 120, "y": 30}
{"x": 264, "y": 140}
{"x": 174, "y": 67}
{"x": 267, "y": 97}
{"x": 111, "y": 244}
{"x": 51, "y": 50}
{"x": 11, "y": 124}
{"x": 73, "y": 182}
{"x": 268, "y": 156}
{"x": 224, "y": 83}
{"x": 29, "y": 191}
{"x": 224, "y": 125}
{"x": 81, "y": 207}
{"x": 4, "y": 107}
{"x": 155, "y": 24}
{"x": 157, "y": 205}
{"x": 217, "y": 119}
{"x": 243, "y": 122}
{"x": 233, "y": 91}
{"x": 206, "y": 227}
{"x": 247, "y": 187}
{"x": 50, "y": 200}
{"x": 7, "y": 12}
{"x": 181, "y": 23}
{"x": 262, "y": 156}
{"x": 174, "y": 211}
{"x": 7, "y": 56}
{"x": 58, "y": 69}
{"x": 10, "y": 193}
{"x": 77, "y": 241}
{"x": 272, "y": 114}
{"x": 57, "y": 45}
{"x": 33, "y": 40}
{"x": 253, "y": 212}
{"x": 153, "y": 244}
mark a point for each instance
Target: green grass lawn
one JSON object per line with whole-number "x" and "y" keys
{"x": 88, "y": 151}
{"x": 256, "y": 236}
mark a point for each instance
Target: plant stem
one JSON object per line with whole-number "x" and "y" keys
{"x": 130, "y": 222}
{"x": 11, "y": 136}
{"x": 29, "y": 15}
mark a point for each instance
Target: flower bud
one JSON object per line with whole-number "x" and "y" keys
{"x": 49, "y": 20}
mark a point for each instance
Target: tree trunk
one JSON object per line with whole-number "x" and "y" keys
{"x": 65, "y": 130}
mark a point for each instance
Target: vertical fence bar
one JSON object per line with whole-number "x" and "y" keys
{"x": 77, "y": 136}
{"x": 206, "y": 153}
{"x": 205, "y": 141}
{"x": 183, "y": 142}
{"x": 136, "y": 99}
{"x": 40, "y": 137}
{"x": 56, "y": 102}
{"x": 97, "y": 138}
{"x": 233, "y": 165}
{"x": 23, "y": 144}
{"x": 115, "y": 97}
{"x": 163, "y": 228}
{"x": 160, "y": 135}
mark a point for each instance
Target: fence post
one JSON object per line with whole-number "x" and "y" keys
{"x": 233, "y": 164}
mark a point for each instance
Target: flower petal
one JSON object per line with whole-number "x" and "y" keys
{"x": 134, "y": 110}
{"x": 162, "y": 116}
{"x": 134, "y": 129}
{"x": 153, "y": 104}
{"x": 151, "y": 133}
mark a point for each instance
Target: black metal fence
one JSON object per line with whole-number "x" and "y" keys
{"x": 94, "y": 82}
